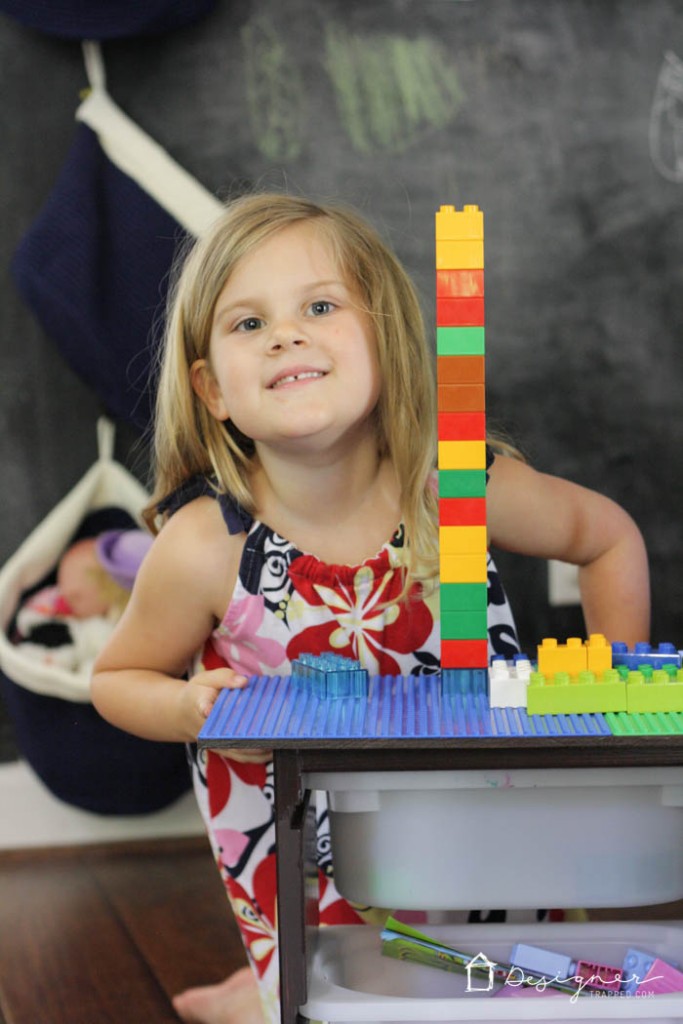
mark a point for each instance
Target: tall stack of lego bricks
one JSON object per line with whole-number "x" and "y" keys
{"x": 461, "y": 436}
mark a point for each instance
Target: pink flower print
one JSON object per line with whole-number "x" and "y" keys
{"x": 247, "y": 651}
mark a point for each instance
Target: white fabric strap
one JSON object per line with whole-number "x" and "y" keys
{"x": 106, "y": 435}
{"x": 140, "y": 157}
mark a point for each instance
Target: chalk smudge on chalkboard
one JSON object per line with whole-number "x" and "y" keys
{"x": 666, "y": 120}
{"x": 390, "y": 89}
{"x": 275, "y": 96}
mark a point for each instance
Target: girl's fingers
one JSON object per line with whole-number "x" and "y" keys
{"x": 221, "y": 679}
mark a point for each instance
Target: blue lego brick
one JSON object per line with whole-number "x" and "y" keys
{"x": 635, "y": 966}
{"x": 330, "y": 676}
{"x": 541, "y": 962}
{"x": 645, "y": 654}
{"x": 270, "y": 709}
{"x": 464, "y": 681}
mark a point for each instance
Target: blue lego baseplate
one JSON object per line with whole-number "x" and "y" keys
{"x": 452, "y": 704}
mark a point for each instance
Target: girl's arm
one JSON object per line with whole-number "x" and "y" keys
{"x": 182, "y": 587}
{"x": 544, "y": 516}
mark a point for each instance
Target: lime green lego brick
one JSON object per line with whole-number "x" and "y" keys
{"x": 583, "y": 694}
{"x": 655, "y": 691}
{"x": 460, "y": 341}
{"x": 455, "y": 597}
{"x": 464, "y": 624}
{"x": 462, "y": 483}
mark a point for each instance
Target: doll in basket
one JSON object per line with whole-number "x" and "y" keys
{"x": 67, "y": 623}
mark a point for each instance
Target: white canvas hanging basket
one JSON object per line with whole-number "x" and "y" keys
{"x": 107, "y": 483}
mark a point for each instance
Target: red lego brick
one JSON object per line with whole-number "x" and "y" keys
{"x": 460, "y": 369}
{"x": 462, "y": 511}
{"x": 464, "y": 654}
{"x": 459, "y": 283}
{"x": 460, "y": 312}
{"x": 461, "y": 426}
{"x": 461, "y": 397}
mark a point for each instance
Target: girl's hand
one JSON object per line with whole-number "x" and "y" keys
{"x": 201, "y": 693}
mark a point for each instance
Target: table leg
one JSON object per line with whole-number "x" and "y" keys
{"x": 291, "y": 803}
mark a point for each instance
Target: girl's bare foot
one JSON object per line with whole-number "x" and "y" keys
{"x": 233, "y": 1001}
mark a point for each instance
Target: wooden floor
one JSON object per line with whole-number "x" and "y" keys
{"x": 107, "y": 935}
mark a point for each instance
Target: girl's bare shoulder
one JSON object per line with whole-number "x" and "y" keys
{"x": 195, "y": 544}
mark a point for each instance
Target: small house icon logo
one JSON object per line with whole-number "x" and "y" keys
{"x": 480, "y": 973}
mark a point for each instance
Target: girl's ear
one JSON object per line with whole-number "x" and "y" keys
{"x": 206, "y": 387}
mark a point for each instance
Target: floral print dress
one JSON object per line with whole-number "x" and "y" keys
{"x": 286, "y": 603}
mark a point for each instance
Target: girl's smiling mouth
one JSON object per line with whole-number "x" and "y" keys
{"x": 295, "y": 376}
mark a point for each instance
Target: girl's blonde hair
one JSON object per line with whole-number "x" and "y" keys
{"x": 189, "y": 441}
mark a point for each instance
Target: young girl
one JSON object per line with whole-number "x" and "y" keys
{"x": 295, "y": 448}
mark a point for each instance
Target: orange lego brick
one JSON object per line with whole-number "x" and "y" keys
{"x": 461, "y": 426}
{"x": 461, "y": 454}
{"x": 462, "y": 540}
{"x": 460, "y": 312}
{"x": 460, "y": 369}
{"x": 457, "y": 397}
{"x": 459, "y": 283}
{"x": 462, "y": 511}
{"x": 467, "y": 254}
{"x": 570, "y": 658}
{"x": 598, "y": 654}
{"x": 465, "y": 223}
{"x": 463, "y": 568}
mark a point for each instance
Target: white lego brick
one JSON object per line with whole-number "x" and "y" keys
{"x": 508, "y": 682}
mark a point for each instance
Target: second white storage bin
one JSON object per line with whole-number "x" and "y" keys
{"x": 349, "y": 980}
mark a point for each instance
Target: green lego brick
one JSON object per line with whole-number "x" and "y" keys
{"x": 583, "y": 694}
{"x": 462, "y": 483}
{"x": 457, "y": 597}
{"x": 656, "y": 690}
{"x": 465, "y": 624}
{"x": 661, "y": 724}
{"x": 460, "y": 341}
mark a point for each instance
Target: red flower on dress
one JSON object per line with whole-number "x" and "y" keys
{"x": 256, "y": 914}
{"x": 358, "y": 614}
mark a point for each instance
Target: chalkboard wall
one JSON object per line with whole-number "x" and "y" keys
{"x": 562, "y": 119}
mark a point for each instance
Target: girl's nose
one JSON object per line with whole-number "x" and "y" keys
{"x": 285, "y": 335}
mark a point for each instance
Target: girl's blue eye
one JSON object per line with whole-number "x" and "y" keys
{"x": 321, "y": 307}
{"x": 251, "y": 323}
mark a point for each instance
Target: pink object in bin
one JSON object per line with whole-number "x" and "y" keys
{"x": 661, "y": 977}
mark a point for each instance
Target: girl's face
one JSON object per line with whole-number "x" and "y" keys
{"x": 292, "y": 356}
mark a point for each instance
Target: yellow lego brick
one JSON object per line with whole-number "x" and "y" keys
{"x": 458, "y": 224}
{"x": 463, "y": 568}
{"x": 462, "y": 454}
{"x": 598, "y": 654}
{"x": 462, "y": 540}
{"x": 570, "y": 658}
{"x": 460, "y": 254}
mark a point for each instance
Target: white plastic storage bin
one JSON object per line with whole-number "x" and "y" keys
{"x": 349, "y": 979}
{"x": 583, "y": 837}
